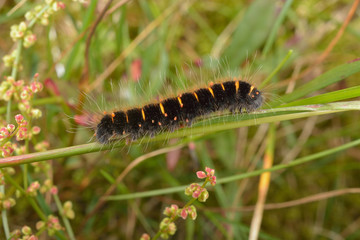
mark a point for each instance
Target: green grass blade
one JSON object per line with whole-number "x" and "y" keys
{"x": 217, "y": 124}
{"x": 245, "y": 40}
{"x": 332, "y": 76}
{"x": 335, "y": 96}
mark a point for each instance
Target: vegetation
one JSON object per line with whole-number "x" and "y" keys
{"x": 286, "y": 171}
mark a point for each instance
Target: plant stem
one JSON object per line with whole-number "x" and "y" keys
{"x": 276, "y": 69}
{"x": 64, "y": 218}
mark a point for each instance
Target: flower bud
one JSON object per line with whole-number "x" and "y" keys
{"x": 26, "y": 230}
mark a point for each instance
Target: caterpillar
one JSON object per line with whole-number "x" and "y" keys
{"x": 169, "y": 114}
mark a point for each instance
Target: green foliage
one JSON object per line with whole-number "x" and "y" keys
{"x": 176, "y": 46}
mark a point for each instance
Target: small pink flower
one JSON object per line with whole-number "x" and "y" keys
{"x": 26, "y": 93}
{"x": 33, "y": 237}
{"x": 192, "y": 212}
{"x": 54, "y": 190}
{"x": 26, "y": 230}
{"x": 4, "y": 132}
{"x": 203, "y": 196}
{"x": 29, "y": 39}
{"x": 210, "y": 171}
{"x": 16, "y": 234}
{"x": 171, "y": 211}
{"x": 32, "y": 189}
{"x": 23, "y": 123}
{"x": 7, "y": 149}
{"x": 36, "y": 86}
{"x": 19, "y": 83}
{"x": 21, "y": 134}
{"x": 53, "y": 223}
{"x": 210, "y": 175}
{"x": 184, "y": 213}
{"x": 61, "y": 5}
{"x": 6, "y": 152}
{"x": 19, "y": 118}
{"x": 35, "y": 185}
{"x": 8, "y": 94}
{"x": 8, "y": 203}
{"x": 42, "y": 146}
{"x": 200, "y": 174}
{"x": 10, "y": 127}
{"x": 193, "y": 187}
{"x": 145, "y": 236}
{"x": 197, "y": 193}
{"x": 36, "y": 130}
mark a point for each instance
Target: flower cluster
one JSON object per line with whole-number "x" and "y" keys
{"x": 48, "y": 186}
{"x": 209, "y": 175}
{"x": 197, "y": 191}
{"x": 167, "y": 225}
{"x": 22, "y": 131}
{"x": 167, "y": 228}
{"x": 68, "y": 210}
{"x": 40, "y": 13}
{"x": 6, "y": 147}
{"x": 52, "y": 225}
{"x": 6, "y": 133}
{"x": 22, "y": 93}
{"x": 18, "y": 32}
{"x": 6, "y": 203}
{"x": 42, "y": 16}
{"x": 188, "y": 211}
{"x": 24, "y": 234}
{"x": 22, "y": 31}
{"x": 33, "y": 188}
{"x": 11, "y": 89}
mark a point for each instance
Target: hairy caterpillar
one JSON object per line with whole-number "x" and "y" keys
{"x": 169, "y": 114}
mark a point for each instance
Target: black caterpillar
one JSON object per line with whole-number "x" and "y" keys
{"x": 170, "y": 113}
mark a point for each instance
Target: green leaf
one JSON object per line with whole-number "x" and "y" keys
{"x": 332, "y": 76}
{"x": 328, "y": 97}
{"x": 259, "y": 16}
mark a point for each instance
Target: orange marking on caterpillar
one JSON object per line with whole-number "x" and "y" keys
{"x": 251, "y": 89}
{"x": 197, "y": 98}
{"x": 139, "y": 125}
{"x": 112, "y": 117}
{"x": 127, "y": 117}
{"x": 180, "y": 102}
{"x": 143, "y": 114}
{"x": 237, "y": 86}
{"x": 159, "y": 123}
{"x": 162, "y": 109}
{"x": 212, "y": 92}
{"x": 223, "y": 87}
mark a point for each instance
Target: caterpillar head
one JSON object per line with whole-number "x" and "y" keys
{"x": 254, "y": 99}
